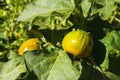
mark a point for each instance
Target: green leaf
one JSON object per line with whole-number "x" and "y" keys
{"x": 50, "y": 12}
{"x": 101, "y": 2}
{"x": 13, "y": 69}
{"x": 111, "y": 41}
{"x": 53, "y": 65}
{"x": 117, "y": 1}
{"x": 112, "y": 76}
{"x": 85, "y": 5}
{"x": 2, "y": 35}
{"x": 105, "y": 63}
{"x": 105, "y": 8}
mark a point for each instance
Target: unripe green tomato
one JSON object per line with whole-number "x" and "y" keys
{"x": 78, "y": 42}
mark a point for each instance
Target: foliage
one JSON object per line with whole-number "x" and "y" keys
{"x": 50, "y": 20}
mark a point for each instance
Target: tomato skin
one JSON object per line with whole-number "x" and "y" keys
{"x": 78, "y": 43}
{"x": 29, "y": 45}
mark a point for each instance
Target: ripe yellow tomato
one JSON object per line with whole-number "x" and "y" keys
{"x": 78, "y": 43}
{"x": 29, "y": 45}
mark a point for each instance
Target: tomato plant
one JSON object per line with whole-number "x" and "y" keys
{"x": 48, "y": 21}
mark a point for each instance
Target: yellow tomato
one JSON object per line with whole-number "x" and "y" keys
{"x": 78, "y": 43}
{"x": 29, "y": 45}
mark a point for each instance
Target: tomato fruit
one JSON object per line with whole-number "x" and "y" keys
{"x": 29, "y": 45}
{"x": 78, "y": 43}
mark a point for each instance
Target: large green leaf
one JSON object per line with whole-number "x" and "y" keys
{"x": 85, "y": 5}
{"x": 111, "y": 41}
{"x": 105, "y": 8}
{"x": 53, "y": 65}
{"x": 50, "y": 12}
{"x": 13, "y": 69}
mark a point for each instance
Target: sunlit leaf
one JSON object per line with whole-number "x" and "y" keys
{"x": 13, "y": 69}
{"x": 54, "y": 65}
{"x": 50, "y": 12}
{"x": 85, "y": 5}
{"x": 117, "y": 1}
{"x": 105, "y": 8}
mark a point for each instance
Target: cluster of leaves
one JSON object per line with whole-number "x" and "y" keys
{"x": 50, "y": 20}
